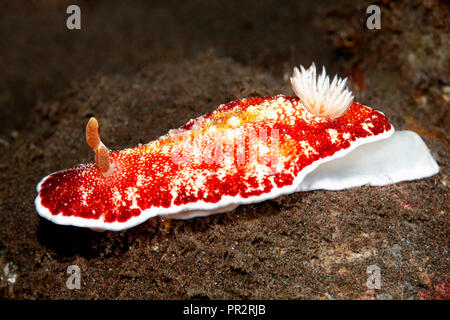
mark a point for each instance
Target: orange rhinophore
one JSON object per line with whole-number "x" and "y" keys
{"x": 101, "y": 152}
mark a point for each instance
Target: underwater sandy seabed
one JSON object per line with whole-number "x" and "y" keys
{"x": 146, "y": 69}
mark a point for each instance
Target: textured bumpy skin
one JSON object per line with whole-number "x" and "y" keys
{"x": 246, "y": 151}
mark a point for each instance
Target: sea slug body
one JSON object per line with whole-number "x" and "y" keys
{"x": 245, "y": 151}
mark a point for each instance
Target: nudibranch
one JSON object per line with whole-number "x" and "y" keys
{"x": 245, "y": 151}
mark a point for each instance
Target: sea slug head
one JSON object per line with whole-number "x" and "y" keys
{"x": 80, "y": 195}
{"x": 320, "y": 96}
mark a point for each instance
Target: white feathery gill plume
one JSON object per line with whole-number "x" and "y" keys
{"x": 319, "y": 96}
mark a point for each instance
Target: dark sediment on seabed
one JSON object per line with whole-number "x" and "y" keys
{"x": 305, "y": 245}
